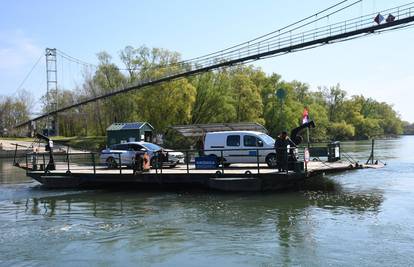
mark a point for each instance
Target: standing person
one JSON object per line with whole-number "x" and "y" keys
{"x": 200, "y": 146}
{"x": 281, "y": 146}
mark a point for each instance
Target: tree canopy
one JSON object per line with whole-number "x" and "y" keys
{"x": 234, "y": 94}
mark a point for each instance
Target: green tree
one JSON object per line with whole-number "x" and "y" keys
{"x": 341, "y": 131}
{"x": 213, "y": 100}
{"x": 246, "y": 97}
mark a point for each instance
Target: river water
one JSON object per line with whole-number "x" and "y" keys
{"x": 367, "y": 219}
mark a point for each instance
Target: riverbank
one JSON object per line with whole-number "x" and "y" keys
{"x": 84, "y": 143}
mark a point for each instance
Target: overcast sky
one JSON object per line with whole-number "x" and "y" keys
{"x": 379, "y": 66}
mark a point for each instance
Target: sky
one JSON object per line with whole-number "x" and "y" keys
{"x": 379, "y": 66}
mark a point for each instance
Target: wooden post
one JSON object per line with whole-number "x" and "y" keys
{"x": 372, "y": 152}
{"x": 15, "y": 155}
{"x": 67, "y": 159}
{"x": 371, "y": 156}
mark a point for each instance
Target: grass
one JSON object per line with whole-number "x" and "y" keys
{"x": 23, "y": 139}
{"x": 90, "y": 143}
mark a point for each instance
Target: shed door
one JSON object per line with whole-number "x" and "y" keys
{"x": 148, "y": 136}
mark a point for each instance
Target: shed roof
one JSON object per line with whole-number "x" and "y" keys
{"x": 128, "y": 126}
{"x": 201, "y": 129}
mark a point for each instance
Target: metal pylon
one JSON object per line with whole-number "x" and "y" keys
{"x": 51, "y": 91}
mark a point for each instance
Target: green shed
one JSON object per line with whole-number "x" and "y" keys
{"x": 129, "y": 132}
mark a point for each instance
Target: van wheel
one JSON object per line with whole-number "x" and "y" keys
{"x": 111, "y": 163}
{"x": 271, "y": 160}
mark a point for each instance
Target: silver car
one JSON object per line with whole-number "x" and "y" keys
{"x": 124, "y": 154}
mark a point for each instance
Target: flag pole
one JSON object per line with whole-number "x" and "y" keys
{"x": 307, "y": 131}
{"x": 306, "y": 118}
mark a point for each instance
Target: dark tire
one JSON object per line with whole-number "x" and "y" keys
{"x": 111, "y": 163}
{"x": 271, "y": 160}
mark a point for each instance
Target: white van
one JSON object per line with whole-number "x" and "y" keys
{"x": 241, "y": 147}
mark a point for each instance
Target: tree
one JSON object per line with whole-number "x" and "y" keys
{"x": 234, "y": 94}
{"x": 247, "y": 100}
{"x": 14, "y": 110}
{"x": 213, "y": 99}
{"x": 341, "y": 131}
{"x": 166, "y": 104}
{"x": 334, "y": 99}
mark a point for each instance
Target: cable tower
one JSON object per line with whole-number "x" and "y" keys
{"x": 52, "y": 126}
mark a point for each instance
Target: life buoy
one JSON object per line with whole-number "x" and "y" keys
{"x": 146, "y": 164}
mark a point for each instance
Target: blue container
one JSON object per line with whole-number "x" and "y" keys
{"x": 206, "y": 162}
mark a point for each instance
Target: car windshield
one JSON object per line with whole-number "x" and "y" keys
{"x": 267, "y": 139}
{"x": 151, "y": 146}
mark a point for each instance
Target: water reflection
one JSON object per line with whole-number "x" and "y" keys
{"x": 10, "y": 174}
{"x": 177, "y": 222}
{"x": 107, "y": 204}
{"x": 173, "y": 228}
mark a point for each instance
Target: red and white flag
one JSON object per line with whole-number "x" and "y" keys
{"x": 305, "y": 116}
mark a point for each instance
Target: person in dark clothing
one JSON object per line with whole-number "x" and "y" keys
{"x": 281, "y": 144}
{"x": 200, "y": 146}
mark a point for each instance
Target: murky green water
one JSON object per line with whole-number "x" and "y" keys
{"x": 367, "y": 221}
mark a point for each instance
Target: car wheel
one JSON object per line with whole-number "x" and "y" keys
{"x": 111, "y": 163}
{"x": 271, "y": 160}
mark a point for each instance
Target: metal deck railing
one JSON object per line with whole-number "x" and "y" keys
{"x": 89, "y": 162}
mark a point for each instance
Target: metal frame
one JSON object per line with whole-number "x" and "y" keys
{"x": 51, "y": 90}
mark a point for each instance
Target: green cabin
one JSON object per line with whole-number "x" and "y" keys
{"x": 129, "y": 132}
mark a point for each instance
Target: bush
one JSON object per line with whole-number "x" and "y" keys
{"x": 341, "y": 131}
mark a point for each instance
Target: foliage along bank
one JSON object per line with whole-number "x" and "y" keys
{"x": 235, "y": 94}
